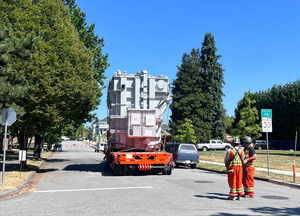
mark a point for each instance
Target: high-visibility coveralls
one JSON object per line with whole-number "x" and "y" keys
{"x": 233, "y": 162}
{"x": 248, "y": 172}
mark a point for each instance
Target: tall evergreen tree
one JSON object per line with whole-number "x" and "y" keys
{"x": 189, "y": 99}
{"x": 13, "y": 88}
{"x": 212, "y": 73}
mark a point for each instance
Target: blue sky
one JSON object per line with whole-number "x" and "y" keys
{"x": 259, "y": 41}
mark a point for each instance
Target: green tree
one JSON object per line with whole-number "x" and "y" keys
{"x": 88, "y": 132}
{"x": 61, "y": 68}
{"x": 186, "y": 133}
{"x": 212, "y": 73}
{"x": 91, "y": 41}
{"x": 284, "y": 100}
{"x": 228, "y": 124}
{"x": 13, "y": 88}
{"x": 248, "y": 116}
{"x": 197, "y": 93}
{"x": 189, "y": 100}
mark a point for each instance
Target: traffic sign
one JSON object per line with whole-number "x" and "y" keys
{"x": 266, "y": 113}
{"x": 266, "y": 124}
{"x": 7, "y": 116}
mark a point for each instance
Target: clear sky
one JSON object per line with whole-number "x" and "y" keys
{"x": 259, "y": 41}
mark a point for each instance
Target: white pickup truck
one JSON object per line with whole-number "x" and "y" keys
{"x": 213, "y": 144}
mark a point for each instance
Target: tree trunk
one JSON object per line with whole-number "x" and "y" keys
{"x": 22, "y": 139}
{"x": 1, "y": 141}
{"x": 37, "y": 146}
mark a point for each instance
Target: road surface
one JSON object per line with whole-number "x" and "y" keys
{"x": 77, "y": 182}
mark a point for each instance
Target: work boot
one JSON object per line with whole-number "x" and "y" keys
{"x": 246, "y": 196}
{"x": 239, "y": 197}
{"x": 230, "y": 198}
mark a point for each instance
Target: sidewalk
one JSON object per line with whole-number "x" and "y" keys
{"x": 13, "y": 166}
{"x": 259, "y": 169}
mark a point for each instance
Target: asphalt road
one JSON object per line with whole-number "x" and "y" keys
{"x": 77, "y": 182}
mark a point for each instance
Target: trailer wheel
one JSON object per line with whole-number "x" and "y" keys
{"x": 125, "y": 170}
{"x": 154, "y": 171}
{"x": 135, "y": 170}
{"x": 115, "y": 171}
{"x": 130, "y": 170}
{"x": 169, "y": 172}
{"x": 120, "y": 170}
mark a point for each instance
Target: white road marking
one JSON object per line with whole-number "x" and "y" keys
{"x": 92, "y": 189}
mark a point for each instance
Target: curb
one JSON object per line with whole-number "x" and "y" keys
{"x": 17, "y": 190}
{"x": 273, "y": 181}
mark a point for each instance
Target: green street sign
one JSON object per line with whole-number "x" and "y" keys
{"x": 266, "y": 113}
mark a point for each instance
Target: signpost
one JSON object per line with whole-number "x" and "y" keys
{"x": 266, "y": 118}
{"x": 7, "y": 118}
{"x": 294, "y": 159}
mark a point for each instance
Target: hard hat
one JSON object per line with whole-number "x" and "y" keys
{"x": 248, "y": 140}
{"x": 236, "y": 140}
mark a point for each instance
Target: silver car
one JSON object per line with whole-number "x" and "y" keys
{"x": 183, "y": 154}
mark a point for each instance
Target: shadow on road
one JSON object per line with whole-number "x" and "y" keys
{"x": 55, "y": 160}
{"x": 268, "y": 211}
{"x": 46, "y": 170}
{"x": 102, "y": 167}
{"x": 213, "y": 196}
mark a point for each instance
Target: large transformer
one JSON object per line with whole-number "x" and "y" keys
{"x": 136, "y": 106}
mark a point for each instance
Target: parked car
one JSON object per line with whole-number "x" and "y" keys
{"x": 262, "y": 144}
{"x": 183, "y": 154}
{"x": 57, "y": 146}
{"x": 100, "y": 147}
{"x": 213, "y": 145}
{"x": 103, "y": 146}
{"x": 65, "y": 138}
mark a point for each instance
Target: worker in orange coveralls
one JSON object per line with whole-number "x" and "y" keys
{"x": 248, "y": 168}
{"x": 234, "y": 166}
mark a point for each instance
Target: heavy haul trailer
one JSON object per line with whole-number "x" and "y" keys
{"x": 136, "y": 105}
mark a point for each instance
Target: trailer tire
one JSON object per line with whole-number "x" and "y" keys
{"x": 130, "y": 170}
{"x": 115, "y": 171}
{"x": 120, "y": 170}
{"x": 169, "y": 172}
{"x": 135, "y": 170}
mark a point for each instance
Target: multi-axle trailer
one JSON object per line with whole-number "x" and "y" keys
{"x": 136, "y": 105}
